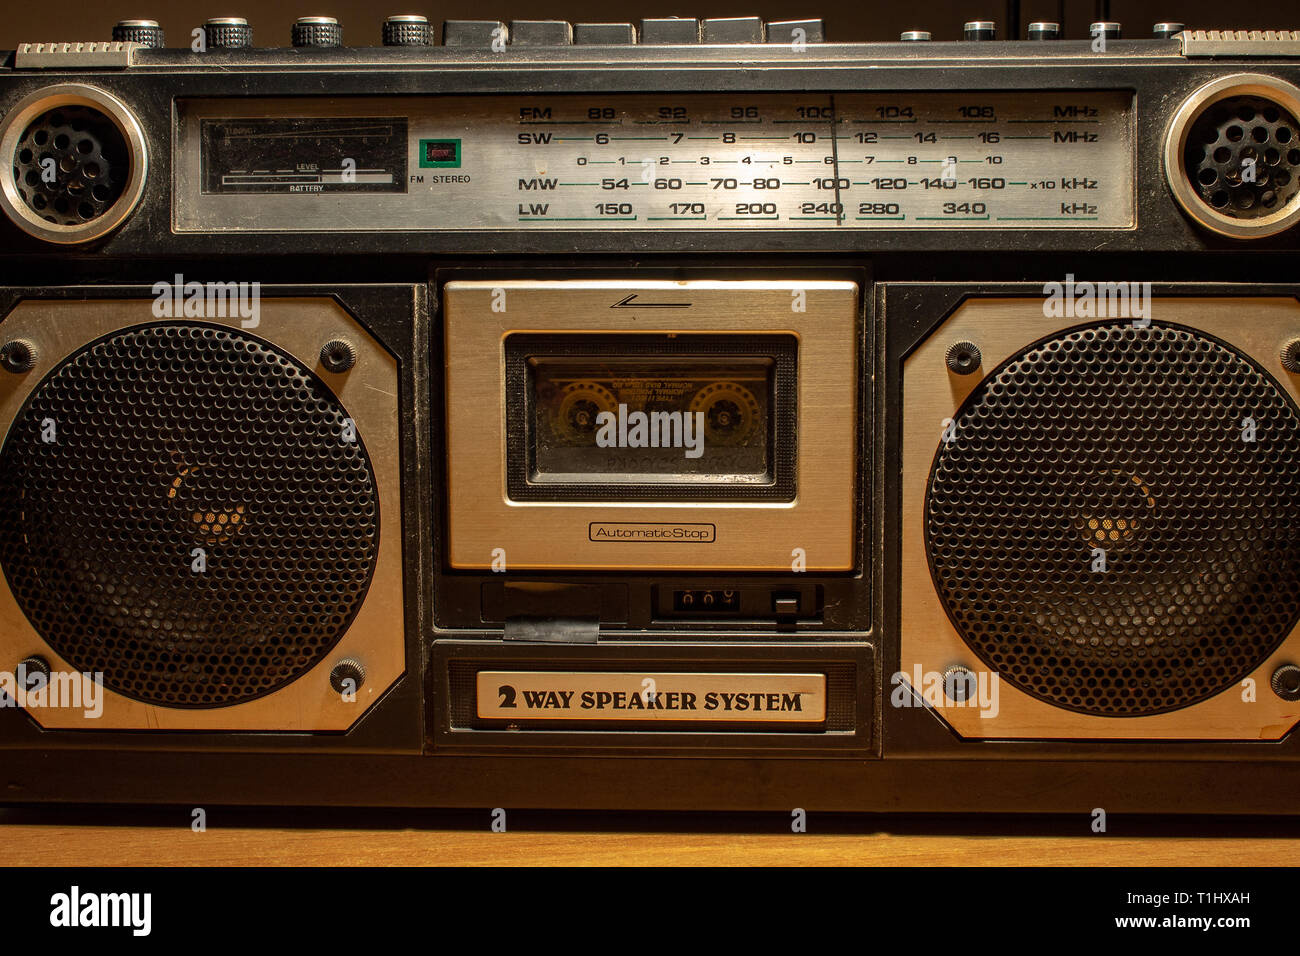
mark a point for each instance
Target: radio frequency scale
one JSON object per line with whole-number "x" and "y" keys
{"x": 689, "y": 161}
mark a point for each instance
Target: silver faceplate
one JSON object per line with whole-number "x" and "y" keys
{"x": 1003, "y": 160}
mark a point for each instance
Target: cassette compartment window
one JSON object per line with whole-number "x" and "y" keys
{"x": 653, "y": 414}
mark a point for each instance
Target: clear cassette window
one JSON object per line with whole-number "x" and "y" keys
{"x": 652, "y": 415}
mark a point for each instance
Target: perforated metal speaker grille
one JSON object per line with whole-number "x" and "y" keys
{"x": 1243, "y": 155}
{"x": 160, "y": 442}
{"x": 71, "y": 165}
{"x": 1129, "y": 445}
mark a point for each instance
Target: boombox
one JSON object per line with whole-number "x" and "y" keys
{"x": 672, "y": 415}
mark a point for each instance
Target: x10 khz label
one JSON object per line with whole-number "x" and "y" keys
{"x": 638, "y": 696}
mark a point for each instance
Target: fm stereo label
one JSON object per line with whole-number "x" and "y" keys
{"x": 646, "y": 531}
{"x": 633, "y": 696}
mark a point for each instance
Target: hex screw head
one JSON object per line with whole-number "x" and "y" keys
{"x": 18, "y": 355}
{"x": 338, "y": 355}
{"x": 963, "y": 358}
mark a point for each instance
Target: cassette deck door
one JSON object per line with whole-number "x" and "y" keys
{"x": 704, "y": 424}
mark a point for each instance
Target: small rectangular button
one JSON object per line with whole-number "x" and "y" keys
{"x": 479, "y": 33}
{"x": 785, "y": 605}
{"x": 670, "y": 31}
{"x": 733, "y": 30}
{"x": 783, "y": 31}
{"x": 604, "y": 34}
{"x": 540, "y": 33}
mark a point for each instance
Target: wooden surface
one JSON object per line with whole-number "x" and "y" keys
{"x": 352, "y": 838}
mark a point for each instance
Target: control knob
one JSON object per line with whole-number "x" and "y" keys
{"x": 147, "y": 32}
{"x": 317, "y": 32}
{"x": 227, "y": 33}
{"x": 407, "y": 30}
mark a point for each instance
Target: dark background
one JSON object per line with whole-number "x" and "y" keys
{"x": 846, "y": 20}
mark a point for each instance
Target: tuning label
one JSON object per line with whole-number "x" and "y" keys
{"x": 661, "y": 161}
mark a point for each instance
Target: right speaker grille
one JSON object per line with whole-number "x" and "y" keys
{"x": 1111, "y": 524}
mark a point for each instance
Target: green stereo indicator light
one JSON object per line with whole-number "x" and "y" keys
{"x": 440, "y": 154}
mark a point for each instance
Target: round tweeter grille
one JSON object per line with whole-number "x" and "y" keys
{"x": 1232, "y": 156}
{"x": 72, "y": 163}
{"x": 1110, "y": 525}
{"x": 181, "y": 510}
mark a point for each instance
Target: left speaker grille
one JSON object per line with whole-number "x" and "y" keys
{"x": 182, "y": 510}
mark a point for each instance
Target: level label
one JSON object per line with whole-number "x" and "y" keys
{"x": 967, "y": 160}
{"x": 638, "y": 696}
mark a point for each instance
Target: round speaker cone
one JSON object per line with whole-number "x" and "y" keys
{"x": 1111, "y": 526}
{"x": 182, "y": 511}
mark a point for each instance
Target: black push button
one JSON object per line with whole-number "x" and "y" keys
{"x": 785, "y": 604}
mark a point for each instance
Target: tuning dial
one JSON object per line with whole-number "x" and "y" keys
{"x": 1105, "y": 28}
{"x": 147, "y": 32}
{"x": 407, "y": 30}
{"x": 1167, "y": 31}
{"x": 317, "y": 32}
{"x": 980, "y": 30}
{"x": 1044, "y": 30}
{"x": 227, "y": 33}
{"x": 914, "y": 36}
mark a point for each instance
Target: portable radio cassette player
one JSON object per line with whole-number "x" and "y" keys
{"x": 672, "y": 415}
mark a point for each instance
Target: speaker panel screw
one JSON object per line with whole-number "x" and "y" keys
{"x": 33, "y": 665}
{"x": 18, "y": 355}
{"x": 1291, "y": 356}
{"x": 958, "y": 683}
{"x": 963, "y": 358}
{"x": 347, "y": 676}
{"x": 1286, "y": 682}
{"x": 338, "y": 355}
